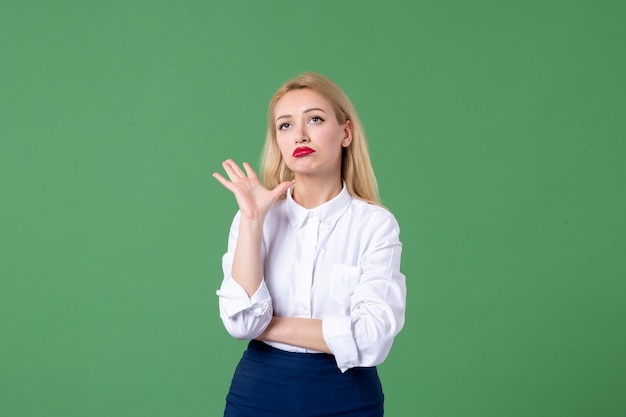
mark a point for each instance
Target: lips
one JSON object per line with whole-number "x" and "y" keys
{"x": 302, "y": 151}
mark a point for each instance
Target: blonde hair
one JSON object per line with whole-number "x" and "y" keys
{"x": 356, "y": 167}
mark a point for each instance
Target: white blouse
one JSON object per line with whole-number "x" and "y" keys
{"x": 339, "y": 262}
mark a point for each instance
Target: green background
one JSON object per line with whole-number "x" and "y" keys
{"x": 497, "y": 131}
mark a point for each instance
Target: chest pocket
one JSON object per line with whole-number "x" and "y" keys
{"x": 343, "y": 281}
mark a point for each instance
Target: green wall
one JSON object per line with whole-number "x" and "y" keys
{"x": 497, "y": 131}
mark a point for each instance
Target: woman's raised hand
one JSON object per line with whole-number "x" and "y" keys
{"x": 253, "y": 198}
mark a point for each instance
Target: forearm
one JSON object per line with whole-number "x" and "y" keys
{"x": 303, "y": 332}
{"x": 246, "y": 268}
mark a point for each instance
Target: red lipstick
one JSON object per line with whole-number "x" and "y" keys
{"x": 302, "y": 151}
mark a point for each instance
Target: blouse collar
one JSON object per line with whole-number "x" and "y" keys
{"x": 327, "y": 213}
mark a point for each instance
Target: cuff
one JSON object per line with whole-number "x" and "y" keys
{"x": 234, "y": 299}
{"x": 337, "y": 332}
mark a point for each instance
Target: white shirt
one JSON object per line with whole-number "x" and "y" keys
{"x": 339, "y": 262}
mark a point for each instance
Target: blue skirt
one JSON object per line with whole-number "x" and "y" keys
{"x": 270, "y": 382}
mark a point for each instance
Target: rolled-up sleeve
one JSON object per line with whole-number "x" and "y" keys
{"x": 244, "y": 317}
{"x": 377, "y": 305}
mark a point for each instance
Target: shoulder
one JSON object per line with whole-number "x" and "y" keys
{"x": 369, "y": 214}
{"x": 369, "y": 210}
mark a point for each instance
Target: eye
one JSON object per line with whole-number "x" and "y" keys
{"x": 316, "y": 119}
{"x": 284, "y": 126}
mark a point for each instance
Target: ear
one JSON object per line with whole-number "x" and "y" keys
{"x": 347, "y": 130}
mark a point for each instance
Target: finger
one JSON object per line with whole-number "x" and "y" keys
{"x": 223, "y": 181}
{"x": 249, "y": 171}
{"x": 281, "y": 189}
{"x": 230, "y": 170}
{"x": 234, "y": 168}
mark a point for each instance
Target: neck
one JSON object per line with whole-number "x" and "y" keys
{"x": 310, "y": 192}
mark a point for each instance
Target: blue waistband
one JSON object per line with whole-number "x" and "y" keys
{"x": 256, "y": 346}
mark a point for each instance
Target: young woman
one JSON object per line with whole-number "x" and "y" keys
{"x": 312, "y": 273}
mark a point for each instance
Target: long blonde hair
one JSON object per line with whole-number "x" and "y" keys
{"x": 356, "y": 167}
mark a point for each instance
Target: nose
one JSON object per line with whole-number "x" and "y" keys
{"x": 301, "y": 136}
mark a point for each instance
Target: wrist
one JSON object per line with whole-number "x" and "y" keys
{"x": 274, "y": 332}
{"x": 252, "y": 223}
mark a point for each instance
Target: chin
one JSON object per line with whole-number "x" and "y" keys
{"x": 301, "y": 167}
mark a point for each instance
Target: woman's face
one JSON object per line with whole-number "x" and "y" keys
{"x": 308, "y": 134}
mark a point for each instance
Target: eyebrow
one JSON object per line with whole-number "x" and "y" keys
{"x": 284, "y": 116}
